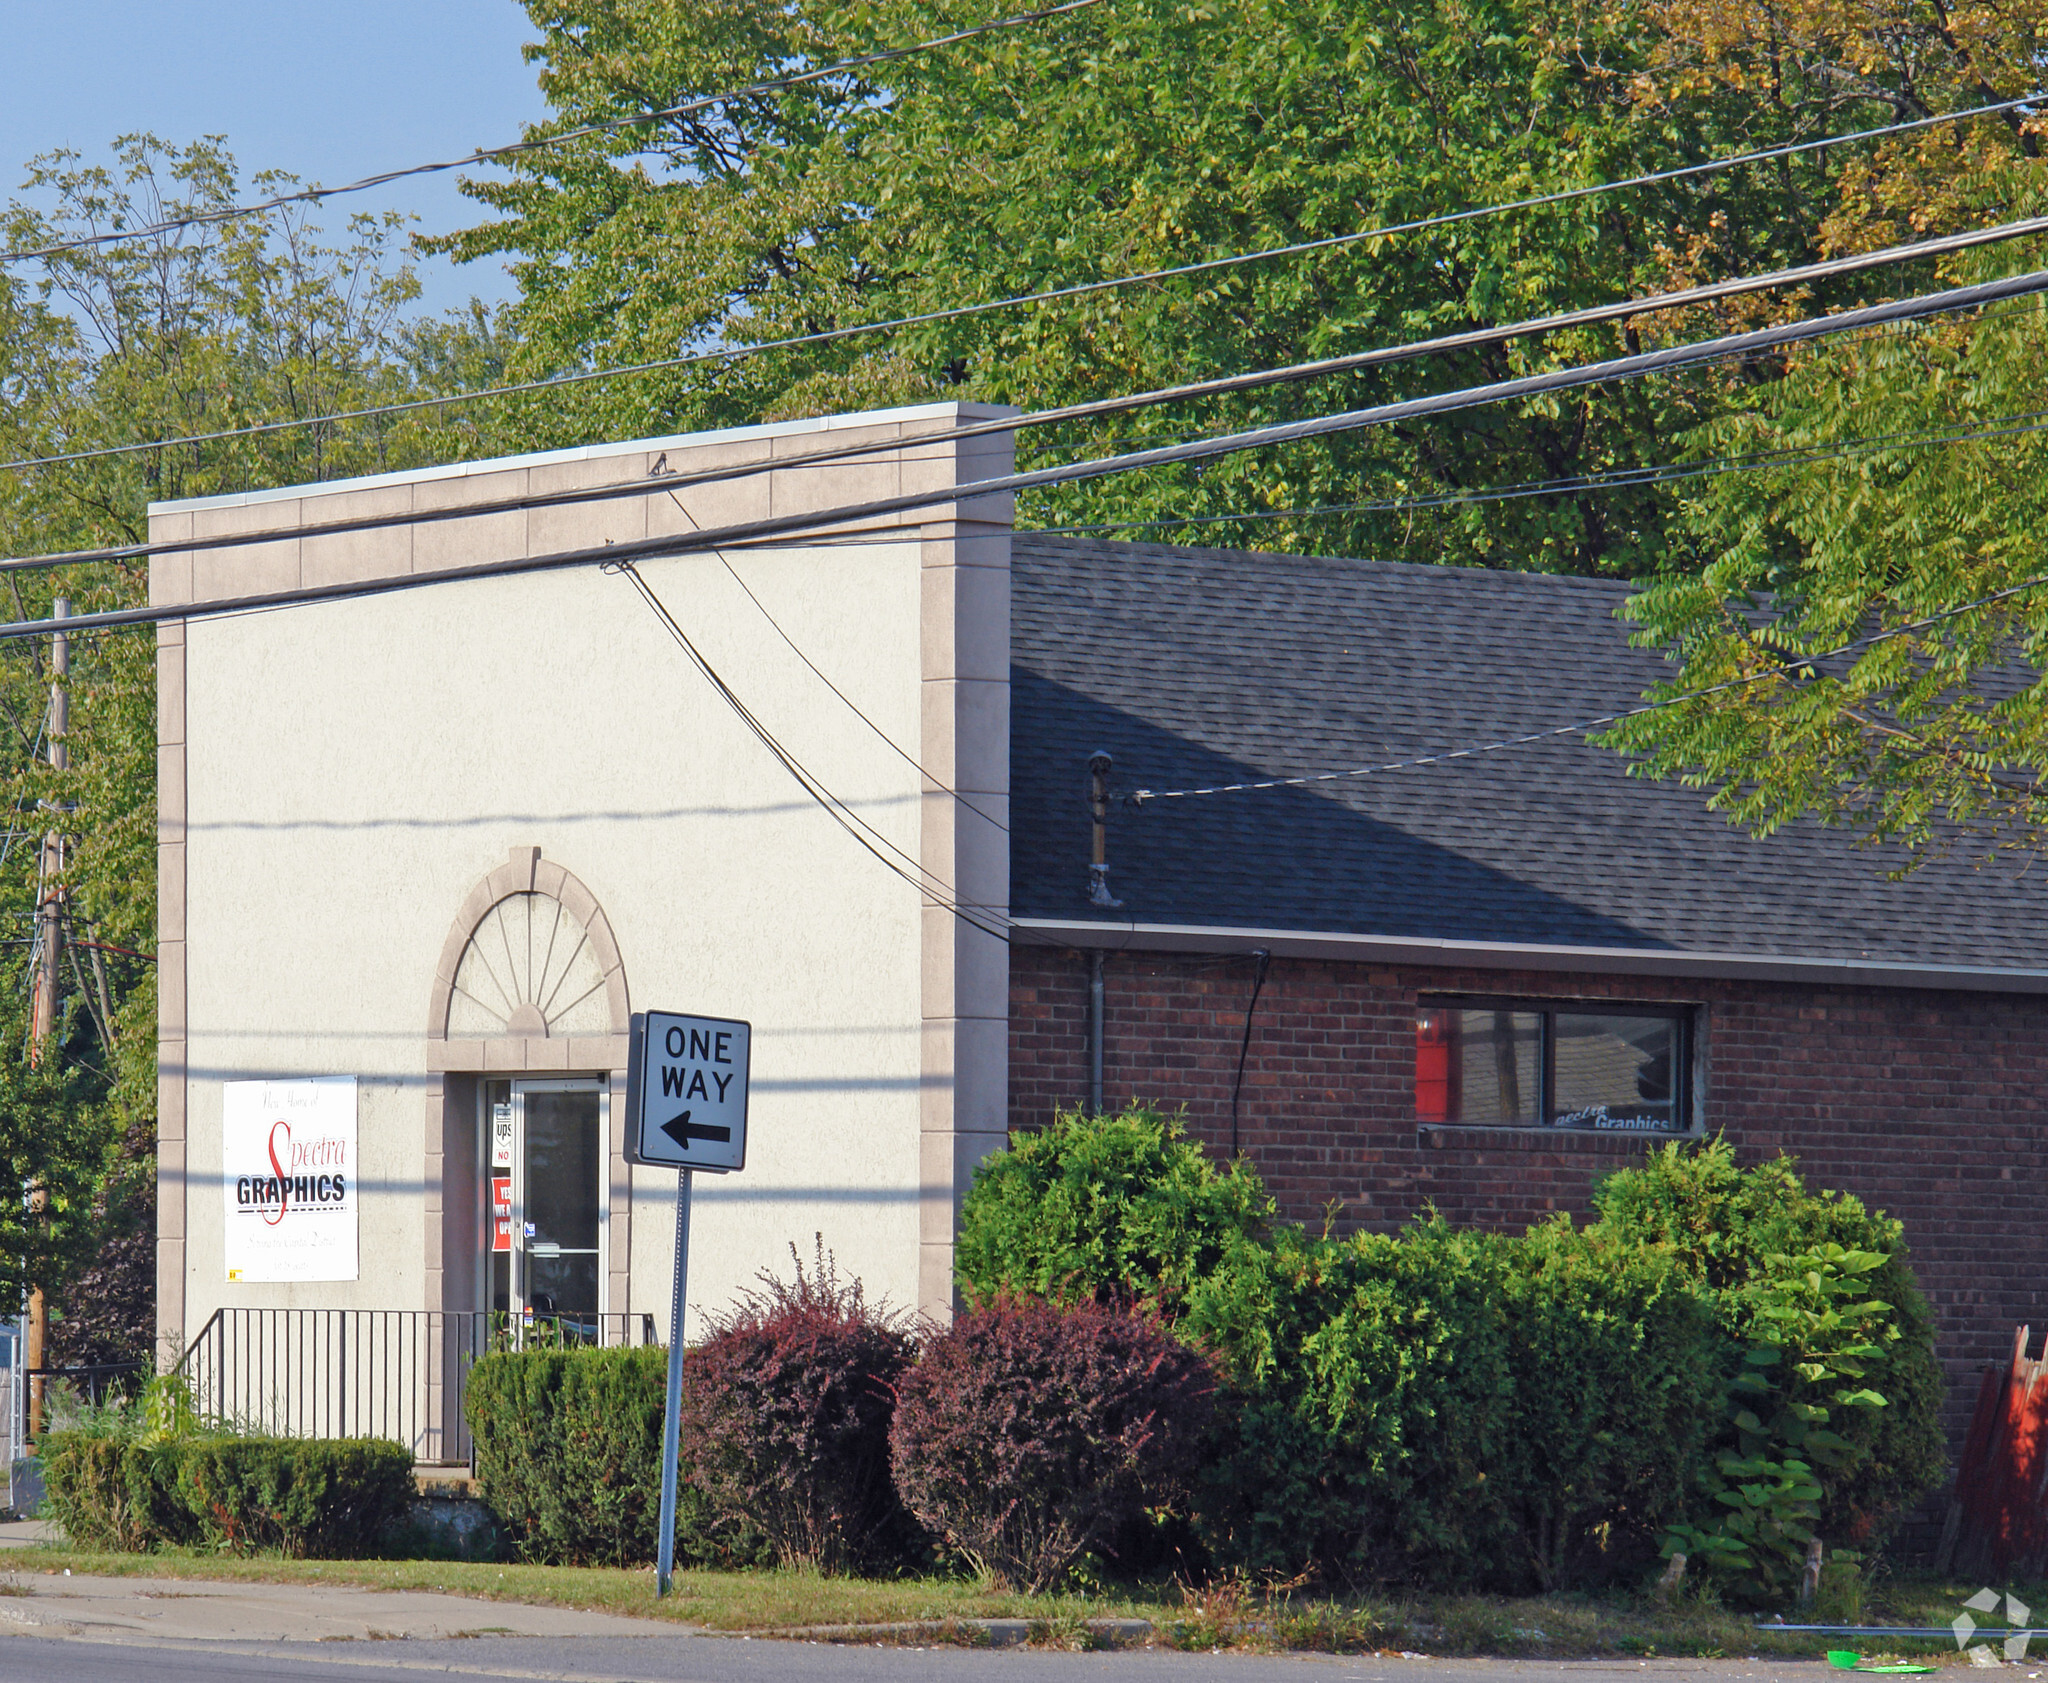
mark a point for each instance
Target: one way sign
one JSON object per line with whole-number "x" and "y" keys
{"x": 686, "y": 1092}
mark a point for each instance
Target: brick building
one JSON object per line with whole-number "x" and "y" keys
{"x": 1487, "y": 980}
{"x": 431, "y": 838}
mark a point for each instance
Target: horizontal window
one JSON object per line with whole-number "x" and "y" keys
{"x": 1523, "y": 1064}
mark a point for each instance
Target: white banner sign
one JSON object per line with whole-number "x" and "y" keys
{"x": 288, "y": 1177}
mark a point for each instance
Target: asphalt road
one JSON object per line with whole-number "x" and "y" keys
{"x": 668, "y": 1658}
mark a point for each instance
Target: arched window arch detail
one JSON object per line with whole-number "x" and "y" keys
{"x": 530, "y": 957}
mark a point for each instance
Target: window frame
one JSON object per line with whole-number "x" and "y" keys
{"x": 1685, "y": 1022}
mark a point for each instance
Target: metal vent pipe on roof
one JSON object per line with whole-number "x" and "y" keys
{"x": 1099, "y": 765}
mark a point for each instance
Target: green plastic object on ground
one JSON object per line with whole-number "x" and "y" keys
{"x": 1843, "y": 1660}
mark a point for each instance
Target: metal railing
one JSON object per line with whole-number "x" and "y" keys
{"x": 92, "y": 1382}
{"x": 387, "y": 1373}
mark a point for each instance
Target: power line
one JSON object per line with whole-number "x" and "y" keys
{"x": 1714, "y": 292}
{"x": 2014, "y": 425}
{"x": 851, "y": 705}
{"x": 2004, "y": 426}
{"x": 732, "y": 353}
{"x": 1671, "y": 359}
{"x": 489, "y": 154}
{"x": 35, "y": 749}
{"x": 1178, "y": 433}
{"x": 1139, "y": 797}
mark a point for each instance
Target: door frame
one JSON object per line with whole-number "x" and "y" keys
{"x": 520, "y": 1086}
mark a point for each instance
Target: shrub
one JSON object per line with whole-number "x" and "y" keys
{"x": 298, "y": 1496}
{"x": 786, "y": 1413}
{"x": 1754, "y": 1240}
{"x": 568, "y": 1456}
{"x": 1115, "y": 1209}
{"x": 1724, "y": 1361}
{"x": 1619, "y": 1372}
{"x": 111, "y": 1492}
{"x": 1030, "y": 1433}
{"x": 1370, "y": 1388}
{"x": 1456, "y": 1408}
{"x": 330, "y": 1499}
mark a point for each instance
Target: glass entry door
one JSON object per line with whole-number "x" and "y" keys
{"x": 544, "y": 1226}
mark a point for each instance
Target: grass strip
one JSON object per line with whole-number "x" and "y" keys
{"x": 756, "y": 1601}
{"x": 925, "y": 1611}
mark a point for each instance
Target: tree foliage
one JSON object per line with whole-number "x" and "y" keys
{"x": 1151, "y": 135}
{"x": 1802, "y": 65}
{"x": 1862, "y": 638}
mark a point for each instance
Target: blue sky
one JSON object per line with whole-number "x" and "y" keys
{"x": 329, "y": 91}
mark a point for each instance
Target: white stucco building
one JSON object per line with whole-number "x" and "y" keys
{"x": 443, "y": 840}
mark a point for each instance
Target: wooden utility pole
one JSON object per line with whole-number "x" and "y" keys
{"x": 50, "y": 937}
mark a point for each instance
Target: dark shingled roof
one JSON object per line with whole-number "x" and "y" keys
{"x": 1201, "y": 666}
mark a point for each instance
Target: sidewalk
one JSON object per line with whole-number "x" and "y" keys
{"x": 158, "y": 1611}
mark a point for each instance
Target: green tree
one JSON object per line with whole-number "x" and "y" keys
{"x": 1801, "y": 64}
{"x": 1143, "y": 136}
{"x": 1897, "y": 513}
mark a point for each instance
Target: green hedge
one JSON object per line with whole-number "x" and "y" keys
{"x": 1723, "y": 1361}
{"x": 112, "y": 1493}
{"x": 1114, "y": 1208}
{"x": 300, "y": 1497}
{"x": 1454, "y": 1408}
{"x": 1743, "y": 1236}
{"x": 568, "y": 1455}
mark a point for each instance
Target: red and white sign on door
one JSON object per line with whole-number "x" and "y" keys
{"x": 501, "y": 1212}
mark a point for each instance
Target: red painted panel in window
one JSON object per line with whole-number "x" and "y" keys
{"x": 1433, "y": 1067}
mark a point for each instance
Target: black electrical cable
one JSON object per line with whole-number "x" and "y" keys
{"x": 1580, "y": 727}
{"x": 2010, "y": 425}
{"x": 1011, "y": 931}
{"x": 958, "y": 312}
{"x": 1666, "y": 473}
{"x": 1265, "y": 958}
{"x": 1671, "y": 359}
{"x": 985, "y": 919}
{"x": 851, "y": 705}
{"x": 489, "y": 154}
{"x": 1011, "y": 424}
{"x": 1139, "y": 797}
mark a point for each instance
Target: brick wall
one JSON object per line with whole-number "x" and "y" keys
{"x": 1927, "y": 1104}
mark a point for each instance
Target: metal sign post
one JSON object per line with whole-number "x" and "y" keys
{"x": 686, "y": 1109}
{"x": 671, "y": 1421}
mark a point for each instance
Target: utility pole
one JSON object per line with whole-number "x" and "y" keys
{"x": 50, "y": 936}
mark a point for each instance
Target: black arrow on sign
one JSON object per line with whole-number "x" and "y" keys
{"x": 682, "y": 1132}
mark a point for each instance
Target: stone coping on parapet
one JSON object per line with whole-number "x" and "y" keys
{"x": 770, "y": 430}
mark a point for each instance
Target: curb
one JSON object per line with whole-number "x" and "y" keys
{"x": 993, "y": 1633}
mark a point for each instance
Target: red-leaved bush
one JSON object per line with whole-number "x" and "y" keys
{"x": 786, "y": 1416}
{"x": 1030, "y": 1433}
